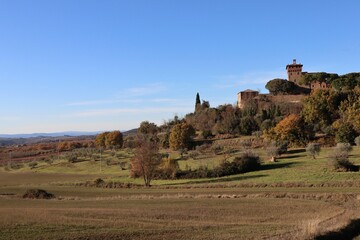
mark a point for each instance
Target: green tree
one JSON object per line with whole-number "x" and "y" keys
{"x": 197, "y": 103}
{"x": 322, "y": 107}
{"x": 280, "y": 86}
{"x": 148, "y": 128}
{"x": 346, "y": 82}
{"x": 345, "y": 133}
{"x": 181, "y": 136}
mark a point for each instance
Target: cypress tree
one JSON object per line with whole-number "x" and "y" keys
{"x": 197, "y": 102}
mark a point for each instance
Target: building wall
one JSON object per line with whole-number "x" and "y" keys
{"x": 319, "y": 85}
{"x": 294, "y": 72}
{"x": 245, "y": 96}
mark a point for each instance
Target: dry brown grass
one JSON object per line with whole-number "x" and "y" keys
{"x": 207, "y": 216}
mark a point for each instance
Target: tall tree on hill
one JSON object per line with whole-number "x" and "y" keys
{"x": 197, "y": 102}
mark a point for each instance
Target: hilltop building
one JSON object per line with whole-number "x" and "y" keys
{"x": 294, "y": 73}
{"x": 245, "y": 96}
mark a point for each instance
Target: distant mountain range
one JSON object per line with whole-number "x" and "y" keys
{"x": 60, "y": 134}
{"x": 57, "y": 134}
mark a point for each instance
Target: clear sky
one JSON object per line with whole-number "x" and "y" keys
{"x": 91, "y": 65}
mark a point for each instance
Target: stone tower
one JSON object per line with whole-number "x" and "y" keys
{"x": 294, "y": 72}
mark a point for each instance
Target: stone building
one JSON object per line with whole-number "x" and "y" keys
{"x": 294, "y": 72}
{"x": 245, "y": 96}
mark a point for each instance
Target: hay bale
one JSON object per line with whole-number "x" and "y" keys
{"x": 38, "y": 194}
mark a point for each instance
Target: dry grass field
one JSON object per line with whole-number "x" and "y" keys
{"x": 295, "y": 198}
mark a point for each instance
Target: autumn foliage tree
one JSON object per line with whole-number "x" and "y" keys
{"x": 146, "y": 161}
{"x": 112, "y": 139}
{"x": 293, "y": 130}
{"x": 181, "y": 136}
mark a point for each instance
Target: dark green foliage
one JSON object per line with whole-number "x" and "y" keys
{"x": 248, "y": 125}
{"x": 206, "y": 134}
{"x": 280, "y": 86}
{"x": 345, "y": 133}
{"x": 148, "y": 128}
{"x": 99, "y": 182}
{"x": 308, "y": 78}
{"x": 346, "y": 82}
{"x": 197, "y": 102}
{"x": 245, "y": 163}
{"x": 38, "y": 194}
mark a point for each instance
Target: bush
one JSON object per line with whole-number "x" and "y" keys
{"x": 313, "y": 149}
{"x": 38, "y": 194}
{"x": 99, "y": 182}
{"x": 343, "y": 147}
{"x": 345, "y": 165}
{"x": 357, "y": 141}
{"x": 340, "y": 158}
{"x": 247, "y": 162}
{"x": 206, "y": 134}
{"x": 32, "y": 164}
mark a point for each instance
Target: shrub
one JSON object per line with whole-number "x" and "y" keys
{"x": 247, "y": 162}
{"x": 343, "y": 147}
{"x": 345, "y": 165}
{"x": 206, "y": 134}
{"x": 217, "y": 148}
{"x": 168, "y": 168}
{"x": 32, "y": 164}
{"x": 99, "y": 182}
{"x": 313, "y": 149}
{"x": 357, "y": 141}
{"x": 340, "y": 158}
{"x": 38, "y": 194}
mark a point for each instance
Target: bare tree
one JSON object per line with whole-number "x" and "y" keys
{"x": 146, "y": 161}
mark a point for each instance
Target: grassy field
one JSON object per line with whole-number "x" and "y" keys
{"x": 296, "y": 197}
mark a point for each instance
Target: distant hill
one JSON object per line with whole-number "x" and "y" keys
{"x": 58, "y": 134}
{"x": 34, "y": 138}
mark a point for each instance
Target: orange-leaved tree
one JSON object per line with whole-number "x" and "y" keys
{"x": 292, "y": 129}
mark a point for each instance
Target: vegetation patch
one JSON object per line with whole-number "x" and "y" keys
{"x": 38, "y": 194}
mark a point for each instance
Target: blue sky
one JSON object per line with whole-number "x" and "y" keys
{"x": 101, "y": 65}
